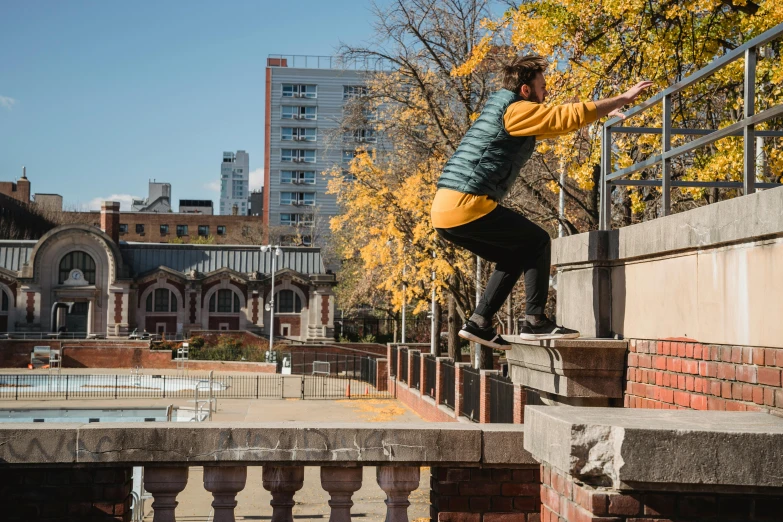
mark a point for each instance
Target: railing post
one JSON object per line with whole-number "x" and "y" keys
{"x": 749, "y": 132}
{"x": 397, "y": 482}
{"x": 165, "y": 484}
{"x": 283, "y": 482}
{"x": 341, "y": 484}
{"x": 224, "y": 482}
{"x": 605, "y": 213}
{"x": 666, "y": 164}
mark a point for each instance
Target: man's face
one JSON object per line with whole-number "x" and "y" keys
{"x": 535, "y": 91}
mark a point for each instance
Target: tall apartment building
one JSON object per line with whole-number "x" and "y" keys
{"x": 305, "y": 101}
{"x": 234, "y": 183}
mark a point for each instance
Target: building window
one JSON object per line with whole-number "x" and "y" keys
{"x": 4, "y": 306}
{"x": 354, "y": 91}
{"x": 80, "y": 260}
{"x": 226, "y": 300}
{"x": 298, "y": 177}
{"x": 299, "y": 91}
{"x": 221, "y": 230}
{"x": 139, "y": 229}
{"x": 296, "y": 219}
{"x": 288, "y": 302}
{"x": 297, "y": 155}
{"x": 123, "y": 228}
{"x": 161, "y": 300}
{"x": 294, "y": 112}
{"x": 203, "y": 230}
{"x": 297, "y": 198}
{"x": 297, "y": 134}
{"x": 361, "y": 136}
{"x": 182, "y": 230}
{"x": 164, "y": 229}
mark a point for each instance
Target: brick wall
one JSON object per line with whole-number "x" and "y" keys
{"x": 684, "y": 374}
{"x": 566, "y": 500}
{"x": 491, "y": 495}
{"x": 65, "y": 494}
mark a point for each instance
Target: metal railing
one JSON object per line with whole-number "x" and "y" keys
{"x": 447, "y": 369}
{"x": 471, "y": 393}
{"x": 393, "y": 362}
{"x": 430, "y": 375}
{"x": 501, "y": 399}
{"x": 415, "y": 370}
{"x": 303, "y": 61}
{"x": 403, "y": 374}
{"x": 110, "y": 336}
{"x": 745, "y": 127}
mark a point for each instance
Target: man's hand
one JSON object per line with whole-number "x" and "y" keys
{"x": 612, "y": 106}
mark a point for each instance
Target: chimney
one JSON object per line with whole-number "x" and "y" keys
{"x": 110, "y": 219}
{"x": 23, "y": 187}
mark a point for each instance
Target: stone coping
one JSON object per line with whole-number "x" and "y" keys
{"x": 741, "y": 219}
{"x": 658, "y": 449}
{"x": 580, "y": 342}
{"x": 259, "y": 443}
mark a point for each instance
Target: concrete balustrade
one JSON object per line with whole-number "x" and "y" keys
{"x": 341, "y": 484}
{"x": 165, "y": 484}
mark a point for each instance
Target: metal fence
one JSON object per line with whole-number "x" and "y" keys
{"x": 744, "y": 127}
{"x": 501, "y": 399}
{"x": 471, "y": 393}
{"x": 339, "y": 364}
{"x": 415, "y": 370}
{"x": 447, "y": 374}
{"x": 403, "y": 376}
{"x": 393, "y": 362}
{"x": 430, "y": 375}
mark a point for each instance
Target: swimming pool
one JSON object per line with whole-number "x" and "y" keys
{"x": 89, "y": 415}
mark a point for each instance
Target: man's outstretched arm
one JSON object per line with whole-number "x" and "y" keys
{"x": 611, "y": 106}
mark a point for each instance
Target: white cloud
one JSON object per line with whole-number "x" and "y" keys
{"x": 257, "y": 178}
{"x": 212, "y": 186}
{"x": 7, "y": 102}
{"x": 124, "y": 199}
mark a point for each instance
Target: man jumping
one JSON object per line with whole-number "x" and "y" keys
{"x": 478, "y": 176}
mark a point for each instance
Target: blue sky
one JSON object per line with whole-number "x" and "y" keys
{"x": 98, "y": 97}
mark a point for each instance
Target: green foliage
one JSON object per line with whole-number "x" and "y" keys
{"x": 227, "y": 348}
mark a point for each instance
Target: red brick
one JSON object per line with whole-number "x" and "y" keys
{"x": 697, "y": 351}
{"x": 633, "y": 359}
{"x": 708, "y": 369}
{"x": 725, "y": 353}
{"x": 502, "y": 504}
{"x": 457, "y": 474}
{"x": 680, "y": 349}
{"x": 659, "y": 378}
{"x": 697, "y": 506}
{"x": 689, "y": 350}
{"x": 459, "y": 517}
{"x": 690, "y": 384}
{"x": 666, "y": 395}
{"x": 769, "y": 396}
{"x": 682, "y": 398}
{"x": 746, "y": 374}
{"x": 666, "y": 348}
{"x": 479, "y": 504}
{"x": 769, "y": 356}
{"x": 527, "y": 504}
{"x": 779, "y": 398}
{"x": 736, "y": 391}
{"x": 674, "y": 364}
{"x": 769, "y": 376}
{"x": 726, "y": 371}
{"x": 736, "y": 354}
{"x": 716, "y": 404}
{"x": 504, "y": 517}
{"x": 511, "y": 489}
{"x": 632, "y": 345}
{"x": 735, "y": 406}
{"x": 645, "y": 361}
{"x": 459, "y": 504}
{"x": 715, "y": 388}
{"x": 526, "y": 475}
{"x": 681, "y": 382}
{"x": 747, "y": 392}
{"x": 758, "y": 356}
{"x": 747, "y": 355}
{"x": 725, "y": 390}
{"x": 550, "y": 497}
{"x": 471, "y": 489}
{"x": 690, "y": 366}
{"x": 624, "y": 505}
{"x": 700, "y": 385}
{"x": 699, "y": 402}
{"x": 659, "y": 362}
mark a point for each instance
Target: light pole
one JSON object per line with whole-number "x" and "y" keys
{"x": 274, "y": 250}
{"x": 434, "y": 336}
{"x": 404, "y": 292}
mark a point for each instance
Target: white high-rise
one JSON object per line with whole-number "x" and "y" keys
{"x": 234, "y": 183}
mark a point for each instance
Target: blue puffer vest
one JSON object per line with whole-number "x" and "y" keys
{"x": 488, "y": 160}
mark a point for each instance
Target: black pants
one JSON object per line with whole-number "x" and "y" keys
{"x": 516, "y": 245}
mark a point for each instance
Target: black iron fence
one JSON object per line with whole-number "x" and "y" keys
{"x": 430, "y": 375}
{"x": 415, "y": 370}
{"x": 393, "y": 362}
{"x": 321, "y": 363}
{"x": 501, "y": 399}
{"x": 403, "y": 376}
{"x": 447, "y": 374}
{"x": 471, "y": 393}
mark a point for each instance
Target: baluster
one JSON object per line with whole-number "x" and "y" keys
{"x": 283, "y": 482}
{"x": 224, "y": 482}
{"x": 165, "y": 484}
{"x": 397, "y": 482}
{"x": 341, "y": 484}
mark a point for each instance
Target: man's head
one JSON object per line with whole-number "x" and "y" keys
{"x": 525, "y": 77}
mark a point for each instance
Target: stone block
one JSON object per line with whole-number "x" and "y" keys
{"x": 32, "y": 442}
{"x": 642, "y": 449}
{"x": 504, "y": 443}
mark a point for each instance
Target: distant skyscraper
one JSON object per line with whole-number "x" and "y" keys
{"x": 234, "y": 183}
{"x": 305, "y": 101}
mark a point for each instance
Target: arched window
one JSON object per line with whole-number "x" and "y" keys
{"x": 4, "y": 306}
{"x": 224, "y": 302}
{"x": 80, "y": 260}
{"x": 161, "y": 300}
{"x": 288, "y": 302}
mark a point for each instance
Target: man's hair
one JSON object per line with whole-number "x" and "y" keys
{"x": 522, "y": 70}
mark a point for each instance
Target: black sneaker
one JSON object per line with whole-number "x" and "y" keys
{"x": 487, "y": 336}
{"x": 546, "y": 329}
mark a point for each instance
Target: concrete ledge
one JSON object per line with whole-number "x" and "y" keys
{"x": 658, "y": 449}
{"x": 258, "y": 443}
{"x": 588, "y": 368}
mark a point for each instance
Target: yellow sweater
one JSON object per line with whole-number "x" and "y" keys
{"x": 523, "y": 118}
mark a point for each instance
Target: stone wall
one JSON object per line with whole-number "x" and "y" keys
{"x": 66, "y": 494}
{"x": 682, "y": 374}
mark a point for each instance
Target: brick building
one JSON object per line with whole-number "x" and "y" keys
{"x": 85, "y": 279}
{"x": 20, "y": 190}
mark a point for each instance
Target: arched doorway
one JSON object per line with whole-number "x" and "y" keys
{"x": 71, "y": 317}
